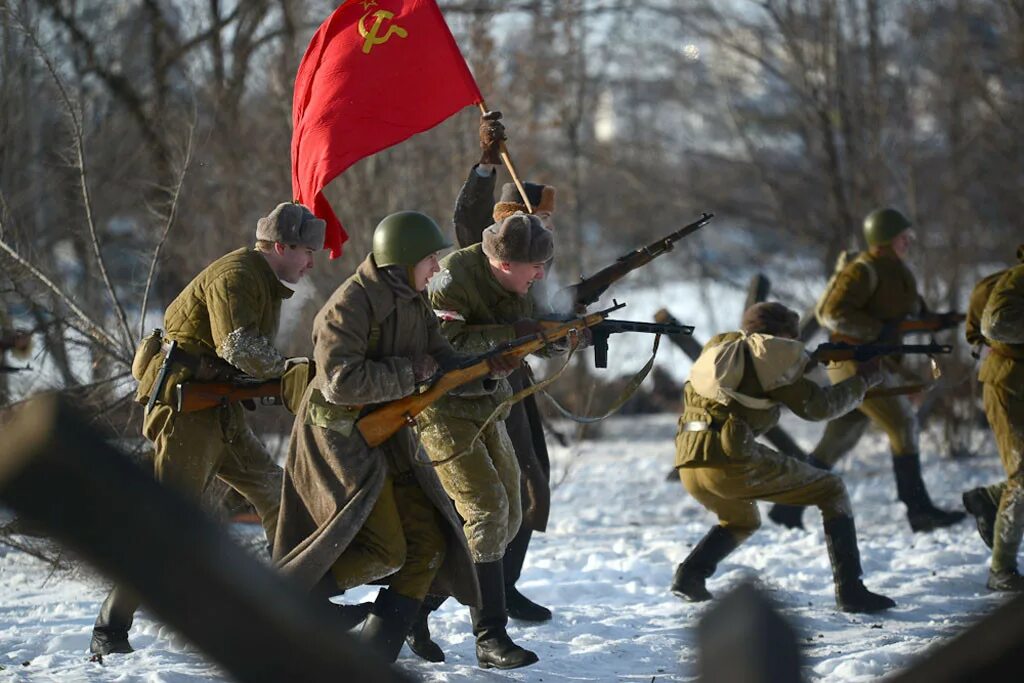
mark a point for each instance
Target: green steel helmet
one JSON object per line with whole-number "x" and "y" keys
{"x": 881, "y": 226}
{"x": 406, "y": 238}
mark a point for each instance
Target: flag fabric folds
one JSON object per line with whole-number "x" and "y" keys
{"x": 375, "y": 73}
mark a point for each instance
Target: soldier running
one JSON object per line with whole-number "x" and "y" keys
{"x": 222, "y": 324}
{"x": 996, "y": 320}
{"x": 357, "y": 514}
{"x": 865, "y": 304}
{"x": 733, "y": 396}
{"x": 476, "y": 210}
{"x": 482, "y": 298}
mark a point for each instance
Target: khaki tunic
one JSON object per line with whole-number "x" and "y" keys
{"x": 726, "y": 469}
{"x": 365, "y": 339}
{"x": 1002, "y": 374}
{"x": 477, "y": 313}
{"x": 228, "y": 314}
{"x": 874, "y": 290}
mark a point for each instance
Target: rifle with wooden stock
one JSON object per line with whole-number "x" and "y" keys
{"x": 192, "y": 396}
{"x": 589, "y": 289}
{"x": 380, "y": 424}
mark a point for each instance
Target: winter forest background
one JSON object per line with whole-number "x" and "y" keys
{"x": 140, "y": 139}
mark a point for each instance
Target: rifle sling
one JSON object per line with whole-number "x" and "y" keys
{"x": 631, "y": 388}
{"x": 627, "y": 393}
{"x": 511, "y": 400}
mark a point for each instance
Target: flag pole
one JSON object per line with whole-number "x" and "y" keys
{"x": 507, "y": 160}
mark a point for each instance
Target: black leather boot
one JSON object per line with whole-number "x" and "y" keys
{"x": 1009, "y": 581}
{"x": 700, "y": 564}
{"x": 351, "y": 616}
{"x": 921, "y": 512}
{"x": 494, "y": 648}
{"x": 981, "y": 507}
{"x": 851, "y": 594}
{"x": 518, "y": 605}
{"x": 418, "y": 639}
{"x": 387, "y": 623}
{"x": 789, "y": 516}
{"x": 523, "y": 608}
{"x": 110, "y": 632}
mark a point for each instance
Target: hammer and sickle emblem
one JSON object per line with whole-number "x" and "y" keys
{"x": 372, "y": 37}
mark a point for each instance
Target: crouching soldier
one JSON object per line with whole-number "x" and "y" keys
{"x": 734, "y": 395}
{"x": 356, "y": 514}
{"x": 482, "y": 298}
{"x": 999, "y": 509}
{"x": 222, "y": 324}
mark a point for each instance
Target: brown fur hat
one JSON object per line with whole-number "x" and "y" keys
{"x": 771, "y": 317}
{"x": 293, "y": 224}
{"x": 519, "y": 238}
{"x": 542, "y": 198}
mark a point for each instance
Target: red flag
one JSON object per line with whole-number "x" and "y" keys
{"x": 375, "y": 73}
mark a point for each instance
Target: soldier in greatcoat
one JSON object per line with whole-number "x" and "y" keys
{"x": 354, "y": 514}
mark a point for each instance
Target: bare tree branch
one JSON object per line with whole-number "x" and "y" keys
{"x": 171, "y": 215}
{"x": 79, "y": 136}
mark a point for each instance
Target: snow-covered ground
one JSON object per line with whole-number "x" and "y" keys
{"x": 617, "y": 531}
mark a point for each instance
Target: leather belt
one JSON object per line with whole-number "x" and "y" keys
{"x": 698, "y": 426}
{"x": 204, "y": 368}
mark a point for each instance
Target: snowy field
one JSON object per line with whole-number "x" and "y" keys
{"x": 617, "y": 532}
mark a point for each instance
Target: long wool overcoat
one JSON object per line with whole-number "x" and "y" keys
{"x": 365, "y": 339}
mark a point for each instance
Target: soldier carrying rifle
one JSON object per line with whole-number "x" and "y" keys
{"x": 734, "y": 394}
{"x": 354, "y": 509}
{"x": 221, "y": 325}
{"x": 873, "y": 298}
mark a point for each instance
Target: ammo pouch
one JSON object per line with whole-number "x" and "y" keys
{"x": 322, "y": 413}
{"x": 297, "y": 374}
{"x": 738, "y": 441}
{"x": 146, "y": 351}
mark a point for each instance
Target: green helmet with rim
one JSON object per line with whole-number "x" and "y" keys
{"x": 405, "y": 238}
{"x": 882, "y": 226}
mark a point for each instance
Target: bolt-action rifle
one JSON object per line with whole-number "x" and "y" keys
{"x": 834, "y": 352}
{"x": 604, "y": 329}
{"x": 589, "y": 289}
{"x": 378, "y": 425}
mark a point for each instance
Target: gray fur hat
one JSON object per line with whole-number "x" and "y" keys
{"x": 519, "y": 238}
{"x": 292, "y": 223}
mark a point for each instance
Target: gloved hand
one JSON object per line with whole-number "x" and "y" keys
{"x": 424, "y": 367}
{"x": 871, "y": 371}
{"x": 492, "y": 134}
{"x": 525, "y": 327}
{"x": 501, "y": 366}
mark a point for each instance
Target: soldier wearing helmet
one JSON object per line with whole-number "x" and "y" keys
{"x": 863, "y": 304}
{"x": 351, "y": 514}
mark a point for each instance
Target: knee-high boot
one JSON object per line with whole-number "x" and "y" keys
{"x": 494, "y": 648}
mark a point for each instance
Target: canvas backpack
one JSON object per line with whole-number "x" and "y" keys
{"x": 845, "y": 259}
